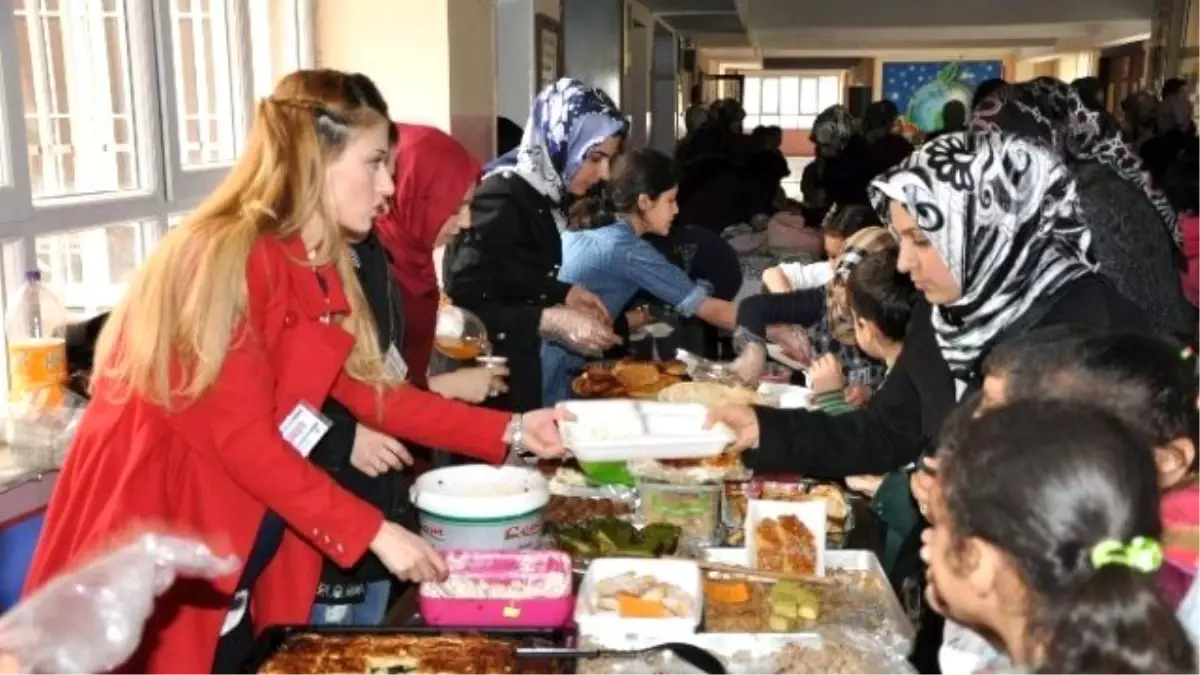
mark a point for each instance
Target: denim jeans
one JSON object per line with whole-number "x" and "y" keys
{"x": 369, "y": 612}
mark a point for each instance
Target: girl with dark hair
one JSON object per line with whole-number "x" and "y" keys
{"x": 1149, "y": 383}
{"x": 615, "y": 262}
{"x": 1055, "y": 562}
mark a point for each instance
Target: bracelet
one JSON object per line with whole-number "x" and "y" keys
{"x": 516, "y": 432}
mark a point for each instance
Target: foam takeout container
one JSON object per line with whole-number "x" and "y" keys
{"x": 622, "y": 430}
{"x": 610, "y": 627}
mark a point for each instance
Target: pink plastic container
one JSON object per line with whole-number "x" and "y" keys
{"x": 499, "y": 589}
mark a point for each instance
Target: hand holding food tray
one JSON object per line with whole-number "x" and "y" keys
{"x": 622, "y": 430}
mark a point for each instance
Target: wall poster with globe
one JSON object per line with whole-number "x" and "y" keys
{"x": 921, "y": 89}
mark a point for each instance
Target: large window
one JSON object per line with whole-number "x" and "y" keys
{"x": 789, "y": 101}
{"x": 89, "y": 90}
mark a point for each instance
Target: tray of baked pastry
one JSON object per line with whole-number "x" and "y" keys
{"x": 305, "y": 650}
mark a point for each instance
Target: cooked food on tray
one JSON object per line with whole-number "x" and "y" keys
{"x": 695, "y": 509}
{"x": 306, "y": 653}
{"x": 711, "y": 394}
{"x": 738, "y": 494}
{"x": 784, "y": 544}
{"x": 567, "y": 510}
{"x": 640, "y": 596}
{"x": 613, "y": 537}
{"x": 627, "y": 378}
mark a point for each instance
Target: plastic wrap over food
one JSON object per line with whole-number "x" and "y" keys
{"x": 90, "y": 620}
{"x": 568, "y": 482}
{"x": 38, "y": 433}
{"x": 695, "y": 473}
{"x": 577, "y": 331}
{"x": 833, "y": 650}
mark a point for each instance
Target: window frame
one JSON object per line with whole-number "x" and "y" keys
{"x": 183, "y": 182}
{"x": 789, "y": 121}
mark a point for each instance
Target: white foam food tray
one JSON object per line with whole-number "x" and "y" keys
{"x": 810, "y": 513}
{"x": 622, "y": 430}
{"x": 610, "y": 628}
{"x": 785, "y": 396}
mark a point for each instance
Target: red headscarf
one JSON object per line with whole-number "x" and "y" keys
{"x": 433, "y": 172}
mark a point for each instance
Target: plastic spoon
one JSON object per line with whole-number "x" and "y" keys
{"x": 697, "y": 657}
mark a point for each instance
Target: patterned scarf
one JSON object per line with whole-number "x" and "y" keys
{"x": 1003, "y": 214}
{"x": 569, "y": 119}
{"x": 1052, "y": 112}
{"x": 832, "y": 130}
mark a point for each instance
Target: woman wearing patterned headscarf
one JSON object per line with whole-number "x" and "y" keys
{"x": 991, "y": 234}
{"x": 1134, "y": 228}
{"x": 505, "y": 266}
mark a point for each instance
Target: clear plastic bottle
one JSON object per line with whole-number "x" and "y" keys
{"x": 37, "y": 349}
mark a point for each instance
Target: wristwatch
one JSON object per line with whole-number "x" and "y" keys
{"x": 515, "y": 432}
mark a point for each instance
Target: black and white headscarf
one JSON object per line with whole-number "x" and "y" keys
{"x": 1003, "y": 213}
{"x": 1052, "y": 112}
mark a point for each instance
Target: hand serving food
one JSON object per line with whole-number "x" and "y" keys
{"x": 741, "y": 420}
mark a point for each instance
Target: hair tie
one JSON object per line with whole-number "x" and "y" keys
{"x": 1141, "y": 553}
{"x": 1186, "y": 353}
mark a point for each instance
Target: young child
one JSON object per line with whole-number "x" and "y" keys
{"x": 841, "y": 223}
{"x": 1148, "y": 382}
{"x": 1045, "y": 539}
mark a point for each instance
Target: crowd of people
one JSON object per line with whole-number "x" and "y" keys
{"x": 1005, "y": 310}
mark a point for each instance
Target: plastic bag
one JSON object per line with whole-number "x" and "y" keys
{"x": 39, "y": 433}
{"x": 577, "y": 331}
{"x": 90, "y": 620}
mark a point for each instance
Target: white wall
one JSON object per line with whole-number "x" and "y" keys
{"x": 472, "y": 52}
{"x": 516, "y": 76}
{"x": 433, "y": 60}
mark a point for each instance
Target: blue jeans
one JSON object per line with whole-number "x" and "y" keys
{"x": 370, "y": 611}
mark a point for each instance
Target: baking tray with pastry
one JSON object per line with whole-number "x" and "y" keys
{"x": 305, "y": 650}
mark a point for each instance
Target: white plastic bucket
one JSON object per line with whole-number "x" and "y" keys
{"x": 481, "y": 507}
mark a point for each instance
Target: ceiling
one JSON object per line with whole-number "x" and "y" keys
{"x": 755, "y": 29}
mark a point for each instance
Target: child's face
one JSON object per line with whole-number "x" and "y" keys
{"x": 963, "y": 576}
{"x": 1173, "y": 459}
{"x": 658, "y": 214}
{"x": 994, "y": 392}
{"x": 834, "y": 245}
{"x": 866, "y": 336}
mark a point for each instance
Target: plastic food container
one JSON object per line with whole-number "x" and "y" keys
{"x": 481, "y": 507}
{"x": 609, "y": 627}
{"x": 696, "y": 509}
{"x": 785, "y": 396}
{"x": 619, "y": 430}
{"x": 500, "y": 589}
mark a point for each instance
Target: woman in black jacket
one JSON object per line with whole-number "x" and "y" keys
{"x": 352, "y": 452}
{"x": 504, "y": 268}
{"x": 1135, "y": 234}
{"x": 991, "y": 234}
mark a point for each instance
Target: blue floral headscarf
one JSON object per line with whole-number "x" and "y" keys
{"x": 569, "y": 119}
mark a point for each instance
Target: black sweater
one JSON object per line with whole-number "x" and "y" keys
{"x": 904, "y": 418}
{"x": 388, "y": 492}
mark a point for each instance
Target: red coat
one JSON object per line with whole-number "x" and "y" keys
{"x": 213, "y": 467}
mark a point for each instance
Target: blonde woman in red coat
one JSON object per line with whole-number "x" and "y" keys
{"x": 240, "y": 324}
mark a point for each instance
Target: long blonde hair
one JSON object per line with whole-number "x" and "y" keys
{"x": 169, "y": 336}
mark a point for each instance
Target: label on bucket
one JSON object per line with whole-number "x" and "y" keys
{"x": 518, "y": 532}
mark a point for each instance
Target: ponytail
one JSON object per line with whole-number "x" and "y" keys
{"x": 1112, "y": 622}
